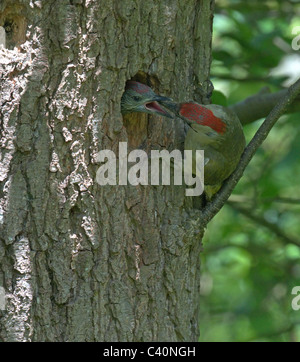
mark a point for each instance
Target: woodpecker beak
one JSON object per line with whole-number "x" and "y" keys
{"x": 169, "y": 104}
{"x": 154, "y": 107}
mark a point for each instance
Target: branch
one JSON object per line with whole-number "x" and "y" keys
{"x": 283, "y": 200}
{"x": 221, "y": 197}
{"x": 260, "y": 105}
{"x": 246, "y": 199}
{"x": 260, "y": 220}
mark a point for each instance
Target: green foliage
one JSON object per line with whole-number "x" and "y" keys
{"x": 219, "y": 98}
{"x": 251, "y": 260}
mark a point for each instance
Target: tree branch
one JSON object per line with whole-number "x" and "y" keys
{"x": 278, "y": 199}
{"x": 221, "y": 197}
{"x": 283, "y": 200}
{"x": 260, "y": 105}
{"x": 261, "y": 221}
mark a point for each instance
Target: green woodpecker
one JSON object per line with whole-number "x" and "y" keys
{"x": 218, "y": 132}
{"x": 139, "y": 97}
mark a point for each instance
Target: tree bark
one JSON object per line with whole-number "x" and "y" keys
{"x": 80, "y": 261}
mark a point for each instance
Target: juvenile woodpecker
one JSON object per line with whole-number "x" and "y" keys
{"x": 218, "y": 132}
{"x": 139, "y": 97}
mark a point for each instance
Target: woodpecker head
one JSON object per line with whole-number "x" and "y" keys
{"x": 139, "y": 97}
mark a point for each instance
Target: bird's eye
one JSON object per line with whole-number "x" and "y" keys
{"x": 136, "y": 98}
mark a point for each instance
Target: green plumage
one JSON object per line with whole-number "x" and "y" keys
{"x": 222, "y": 150}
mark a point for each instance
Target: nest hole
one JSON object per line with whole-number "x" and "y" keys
{"x": 147, "y": 79}
{"x": 136, "y": 124}
{"x": 13, "y": 21}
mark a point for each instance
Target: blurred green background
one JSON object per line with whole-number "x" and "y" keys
{"x": 251, "y": 258}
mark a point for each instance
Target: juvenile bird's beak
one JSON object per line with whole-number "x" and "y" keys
{"x": 155, "y": 107}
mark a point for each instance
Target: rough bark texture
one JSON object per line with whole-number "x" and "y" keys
{"x": 79, "y": 261}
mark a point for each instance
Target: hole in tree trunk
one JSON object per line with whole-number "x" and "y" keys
{"x": 13, "y": 20}
{"x": 136, "y": 124}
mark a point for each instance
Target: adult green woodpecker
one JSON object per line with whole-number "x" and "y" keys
{"x": 139, "y": 97}
{"x": 218, "y": 132}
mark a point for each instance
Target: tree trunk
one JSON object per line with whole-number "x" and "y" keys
{"x": 80, "y": 261}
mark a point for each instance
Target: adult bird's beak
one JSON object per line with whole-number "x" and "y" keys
{"x": 168, "y": 104}
{"x": 155, "y": 107}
